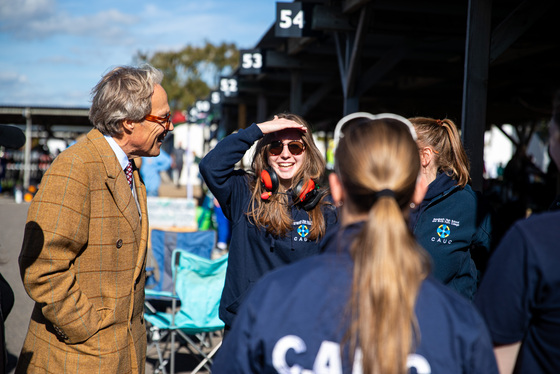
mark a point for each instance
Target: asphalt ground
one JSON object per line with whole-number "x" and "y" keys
{"x": 12, "y": 222}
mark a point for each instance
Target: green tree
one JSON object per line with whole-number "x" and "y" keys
{"x": 193, "y": 72}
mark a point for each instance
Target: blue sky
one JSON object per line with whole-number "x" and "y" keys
{"x": 52, "y": 52}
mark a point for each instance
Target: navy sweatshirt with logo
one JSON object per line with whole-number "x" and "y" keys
{"x": 449, "y": 225}
{"x": 252, "y": 252}
{"x": 296, "y": 317}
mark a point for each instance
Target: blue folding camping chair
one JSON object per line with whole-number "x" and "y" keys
{"x": 159, "y": 283}
{"x": 163, "y": 243}
{"x": 197, "y": 283}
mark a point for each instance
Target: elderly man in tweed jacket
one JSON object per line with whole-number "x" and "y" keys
{"x": 84, "y": 250}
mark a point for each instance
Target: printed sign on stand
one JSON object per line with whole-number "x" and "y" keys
{"x": 168, "y": 212}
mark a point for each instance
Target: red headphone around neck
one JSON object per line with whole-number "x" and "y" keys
{"x": 306, "y": 194}
{"x": 269, "y": 181}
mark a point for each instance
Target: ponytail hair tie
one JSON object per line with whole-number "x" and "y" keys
{"x": 439, "y": 122}
{"x": 385, "y": 192}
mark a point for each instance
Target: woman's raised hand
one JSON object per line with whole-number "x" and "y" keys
{"x": 278, "y": 124}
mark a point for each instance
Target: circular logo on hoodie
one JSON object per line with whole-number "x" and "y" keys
{"x": 303, "y": 231}
{"x": 443, "y": 231}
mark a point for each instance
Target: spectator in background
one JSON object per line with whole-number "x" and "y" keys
{"x": 177, "y": 164}
{"x": 449, "y": 222}
{"x": 84, "y": 248}
{"x": 368, "y": 304}
{"x": 151, "y": 169}
{"x": 223, "y": 229}
{"x": 520, "y": 293}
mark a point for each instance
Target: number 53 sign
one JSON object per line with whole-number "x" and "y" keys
{"x": 293, "y": 20}
{"x": 252, "y": 61}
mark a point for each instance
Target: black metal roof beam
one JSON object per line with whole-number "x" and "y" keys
{"x": 382, "y": 67}
{"x": 475, "y": 86}
{"x": 280, "y": 60}
{"x": 516, "y": 24}
{"x": 319, "y": 94}
{"x": 448, "y": 8}
{"x": 353, "y": 67}
{"x": 350, "y": 6}
{"x": 328, "y": 19}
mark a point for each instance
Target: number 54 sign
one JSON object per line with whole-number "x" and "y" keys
{"x": 293, "y": 20}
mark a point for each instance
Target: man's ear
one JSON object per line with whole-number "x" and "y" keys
{"x": 336, "y": 189}
{"x": 420, "y": 190}
{"x": 128, "y": 125}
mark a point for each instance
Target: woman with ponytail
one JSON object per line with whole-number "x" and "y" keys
{"x": 449, "y": 222}
{"x": 368, "y": 304}
{"x": 278, "y": 210}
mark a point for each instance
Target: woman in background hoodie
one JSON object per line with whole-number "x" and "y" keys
{"x": 449, "y": 223}
{"x": 277, "y": 211}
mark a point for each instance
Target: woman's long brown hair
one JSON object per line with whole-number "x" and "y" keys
{"x": 274, "y": 214}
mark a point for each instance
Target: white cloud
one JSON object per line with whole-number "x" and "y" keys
{"x": 11, "y": 10}
{"x": 110, "y": 25}
{"x": 8, "y": 79}
{"x": 40, "y": 19}
{"x": 194, "y": 23}
{"x": 15, "y": 16}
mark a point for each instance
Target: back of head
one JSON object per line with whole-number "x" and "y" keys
{"x": 443, "y": 137}
{"x": 123, "y": 93}
{"x": 378, "y": 164}
{"x": 373, "y": 155}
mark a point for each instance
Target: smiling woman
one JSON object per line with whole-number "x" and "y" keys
{"x": 279, "y": 213}
{"x": 285, "y": 155}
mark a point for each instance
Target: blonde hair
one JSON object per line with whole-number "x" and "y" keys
{"x": 443, "y": 137}
{"x": 389, "y": 266}
{"x": 274, "y": 214}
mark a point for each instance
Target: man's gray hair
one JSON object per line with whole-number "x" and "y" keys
{"x": 123, "y": 93}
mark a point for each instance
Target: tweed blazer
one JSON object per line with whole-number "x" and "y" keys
{"x": 83, "y": 261}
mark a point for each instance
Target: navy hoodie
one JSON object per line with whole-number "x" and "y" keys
{"x": 295, "y": 319}
{"x": 519, "y": 296}
{"x": 449, "y": 226}
{"x": 252, "y": 251}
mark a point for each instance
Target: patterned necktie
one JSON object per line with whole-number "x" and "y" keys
{"x": 128, "y": 172}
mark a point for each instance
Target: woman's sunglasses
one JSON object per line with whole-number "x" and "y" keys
{"x": 295, "y": 147}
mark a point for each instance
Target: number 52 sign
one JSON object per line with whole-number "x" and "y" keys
{"x": 292, "y": 20}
